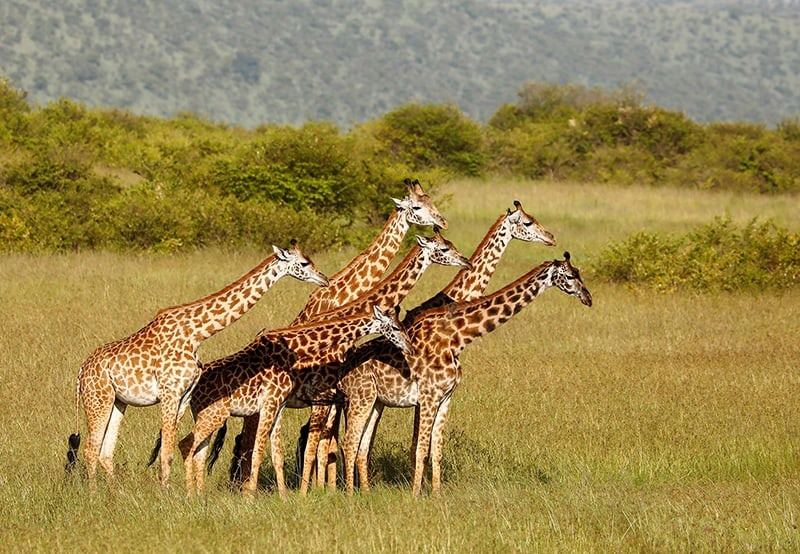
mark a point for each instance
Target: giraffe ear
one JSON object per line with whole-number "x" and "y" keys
{"x": 280, "y": 253}
{"x": 422, "y": 241}
{"x": 377, "y": 311}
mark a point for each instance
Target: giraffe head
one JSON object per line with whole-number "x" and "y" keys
{"x": 566, "y": 277}
{"x": 441, "y": 251}
{"x": 524, "y": 227}
{"x": 298, "y": 265}
{"x": 418, "y": 207}
{"x": 387, "y": 323}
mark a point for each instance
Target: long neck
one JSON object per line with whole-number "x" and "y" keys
{"x": 391, "y": 291}
{"x": 363, "y": 271}
{"x": 470, "y": 283}
{"x": 460, "y": 324}
{"x": 329, "y": 337}
{"x": 204, "y": 317}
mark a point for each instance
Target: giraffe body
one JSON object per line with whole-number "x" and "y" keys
{"x": 426, "y": 380}
{"x": 259, "y": 379}
{"x": 158, "y": 363}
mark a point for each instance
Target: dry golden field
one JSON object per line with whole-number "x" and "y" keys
{"x": 648, "y": 422}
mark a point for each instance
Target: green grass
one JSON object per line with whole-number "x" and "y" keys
{"x": 651, "y": 421}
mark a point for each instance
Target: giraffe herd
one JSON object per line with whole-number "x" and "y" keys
{"x": 321, "y": 360}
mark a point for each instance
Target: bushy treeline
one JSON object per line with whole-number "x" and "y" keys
{"x": 719, "y": 256}
{"x": 73, "y": 177}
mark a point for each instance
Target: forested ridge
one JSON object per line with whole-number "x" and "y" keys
{"x": 249, "y": 63}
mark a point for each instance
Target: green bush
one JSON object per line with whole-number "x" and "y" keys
{"x": 713, "y": 257}
{"x": 423, "y": 137}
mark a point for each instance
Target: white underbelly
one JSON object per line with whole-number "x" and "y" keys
{"x": 139, "y": 394}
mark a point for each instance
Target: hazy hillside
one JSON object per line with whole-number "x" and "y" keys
{"x": 246, "y": 62}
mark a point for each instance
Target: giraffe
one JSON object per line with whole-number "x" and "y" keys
{"x": 158, "y": 363}
{"x": 426, "y": 380}
{"x": 259, "y": 379}
{"x": 367, "y": 268}
{"x": 319, "y": 375}
{"x": 469, "y": 283}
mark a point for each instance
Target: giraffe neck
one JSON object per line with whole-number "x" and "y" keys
{"x": 467, "y": 321}
{"x": 470, "y": 283}
{"x": 204, "y": 317}
{"x": 363, "y": 271}
{"x": 392, "y": 290}
{"x": 330, "y": 338}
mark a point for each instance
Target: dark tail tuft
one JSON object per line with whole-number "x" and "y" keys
{"x": 154, "y": 453}
{"x": 72, "y": 454}
{"x": 219, "y": 440}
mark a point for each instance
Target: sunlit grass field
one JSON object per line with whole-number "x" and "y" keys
{"x": 648, "y": 422}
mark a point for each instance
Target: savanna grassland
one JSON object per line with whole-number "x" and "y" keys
{"x": 651, "y": 421}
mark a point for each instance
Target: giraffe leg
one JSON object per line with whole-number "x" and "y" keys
{"x": 358, "y": 412}
{"x": 269, "y": 413}
{"x": 332, "y": 445}
{"x": 276, "y": 451}
{"x": 316, "y": 426}
{"x": 169, "y": 428}
{"x": 249, "y": 430}
{"x": 207, "y": 420}
{"x": 106, "y": 457}
{"x": 427, "y": 416}
{"x": 437, "y": 441}
{"x": 97, "y": 396}
{"x": 365, "y": 446}
{"x": 414, "y": 437}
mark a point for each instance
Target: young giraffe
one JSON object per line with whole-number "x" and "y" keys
{"x": 158, "y": 363}
{"x": 367, "y": 268}
{"x": 317, "y": 376}
{"x": 260, "y": 378}
{"x": 426, "y": 380}
{"x": 468, "y": 284}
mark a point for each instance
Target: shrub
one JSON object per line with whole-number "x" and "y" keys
{"x": 717, "y": 256}
{"x": 430, "y": 136}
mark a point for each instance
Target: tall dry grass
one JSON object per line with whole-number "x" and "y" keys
{"x": 656, "y": 422}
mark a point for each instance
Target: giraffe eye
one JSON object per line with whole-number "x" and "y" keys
{"x": 527, "y": 223}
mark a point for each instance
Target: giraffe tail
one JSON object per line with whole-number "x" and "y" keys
{"x": 74, "y": 440}
{"x": 219, "y": 440}
{"x": 154, "y": 453}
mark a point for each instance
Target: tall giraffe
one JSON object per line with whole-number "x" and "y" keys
{"x": 367, "y": 268}
{"x": 158, "y": 363}
{"x": 426, "y": 380}
{"x": 260, "y": 378}
{"x": 469, "y": 283}
{"x": 316, "y": 375}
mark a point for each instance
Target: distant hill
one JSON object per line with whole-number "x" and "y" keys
{"x": 349, "y": 61}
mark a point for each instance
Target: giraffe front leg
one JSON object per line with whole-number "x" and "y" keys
{"x": 276, "y": 450}
{"x": 427, "y": 415}
{"x": 169, "y": 428}
{"x": 437, "y": 442}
